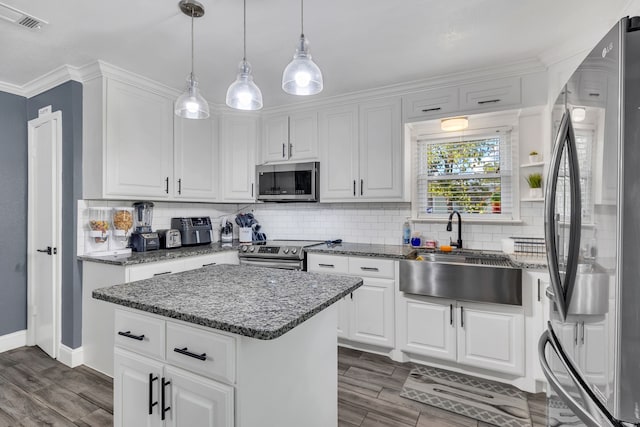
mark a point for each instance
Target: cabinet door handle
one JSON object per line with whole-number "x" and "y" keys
{"x": 163, "y": 398}
{"x": 327, "y": 265}
{"x": 582, "y": 332}
{"x": 283, "y": 150}
{"x": 128, "y": 334}
{"x": 252, "y": 189}
{"x": 369, "y": 268}
{"x": 575, "y": 333}
{"x": 351, "y": 296}
{"x": 461, "y": 317}
{"x": 290, "y": 149}
{"x": 426, "y": 110}
{"x": 354, "y": 188}
{"x": 180, "y": 186}
{"x": 362, "y": 187}
{"x": 161, "y": 274}
{"x": 186, "y": 352}
{"x": 451, "y": 314}
{"x": 488, "y": 101}
{"x": 211, "y": 263}
{"x": 151, "y": 402}
{"x": 538, "y": 290}
{"x": 166, "y": 183}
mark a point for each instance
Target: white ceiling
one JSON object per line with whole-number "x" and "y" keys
{"x": 358, "y": 44}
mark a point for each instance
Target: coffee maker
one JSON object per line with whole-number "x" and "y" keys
{"x": 142, "y": 238}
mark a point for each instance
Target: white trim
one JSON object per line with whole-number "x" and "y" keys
{"x": 11, "y": 88}
{"x": 13, "y": 340}
{"x": 57, "y": 243}
{"x": 53, "y": 78}
{"x": 71, "y": 357}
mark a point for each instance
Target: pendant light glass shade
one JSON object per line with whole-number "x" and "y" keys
{"x": 302, "y": 76}
{"x": 192, "y": 105}
{"x": 244, "y": 94}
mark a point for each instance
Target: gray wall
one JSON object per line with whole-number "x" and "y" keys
{"x": 68, "y": 98}
{"x": 13, "y": 213}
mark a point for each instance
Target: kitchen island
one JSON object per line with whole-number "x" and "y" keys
{"x": 227, "y": 345}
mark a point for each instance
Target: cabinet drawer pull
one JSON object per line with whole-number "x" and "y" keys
{"x": 163, "y": 396}
{"x": 327, "y": 265}
{"x": 161, "y": 274}
{"x": 488, "y": 101}
{"x": 426, "y": 110}
{"x": 184, "y": 351}
{"x": 151, "y": 402}
{"x": 369, "y": 268}
{"x": 211, "y": 263}
{"x": 128, "y": 334}
{"x": 461, "y": 317}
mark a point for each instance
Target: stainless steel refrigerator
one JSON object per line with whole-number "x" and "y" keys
{"x": 590, "y": 352}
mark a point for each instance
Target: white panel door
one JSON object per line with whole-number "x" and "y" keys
{"x": 238, "y": 154}
{"x": 275, "y": 138}
{"x": 372, "y": 313}
{"x": 428, "y": 327}
{"x": 133, "y": 375}
{"x": 381, "y": 150}
{"x": 338, "y": 129}
{"x": 45, "y": 204}
{"x": 491, "y": 338}
{"x": 139, "y": 143}
{"x": 593, "y": 351}
{"x": 303, "y": 136}
{"x": 196, "y": 159}
{"x": 343, "y": 316}
{"x": 198, "y": 402}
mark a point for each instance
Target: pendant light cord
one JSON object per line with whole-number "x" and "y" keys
{"x": 302, "y": 18}
{"x": 244, "y": 56}
{"x": 192, "y": 43}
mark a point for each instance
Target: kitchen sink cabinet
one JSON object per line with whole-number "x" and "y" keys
{"x": 361, "y": 152}
{"x": 486, "y": 336}
{"x": 195, "y": 159}
{"x": 292, "y": 137}
{"x": 238, "y": 143}
{"x": 127, "y": 141}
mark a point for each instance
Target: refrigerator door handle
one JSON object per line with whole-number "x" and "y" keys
{"x": 565, "y": 138}
{"x": 587, "y": 418}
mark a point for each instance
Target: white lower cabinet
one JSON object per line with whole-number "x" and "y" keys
{"x": 487, "y": 336}
{"x": 367, "y": 315}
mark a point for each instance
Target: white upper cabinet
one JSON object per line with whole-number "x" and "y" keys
{"x": 196, "y": 159}
{"x": 238, "y": 143}
{"x": 491, "y": 95}
{"x": 129, "y": 140}
{"x": 291, "y": 137}
{"x": 428, "y": 104}
{"x": 362, "y": 152}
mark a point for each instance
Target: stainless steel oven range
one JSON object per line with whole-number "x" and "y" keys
{"x": 283, "y": 254}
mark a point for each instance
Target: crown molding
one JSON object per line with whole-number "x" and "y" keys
{"x": 12, "y": 89}
{"x": 53, "y": 78}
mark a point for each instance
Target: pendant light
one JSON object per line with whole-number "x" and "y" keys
{"x": 302, "y": 76}
{"x": 191, "y": 105}
{"x": 243, "y": 94}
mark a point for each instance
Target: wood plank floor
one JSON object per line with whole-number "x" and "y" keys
{"x": 36, "y": 390}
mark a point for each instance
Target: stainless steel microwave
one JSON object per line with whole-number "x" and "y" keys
{"x": 290, "y": 182}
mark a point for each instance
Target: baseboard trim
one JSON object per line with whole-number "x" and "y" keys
{"x": 71, "y": 357}
{"x": 13, "y": 340}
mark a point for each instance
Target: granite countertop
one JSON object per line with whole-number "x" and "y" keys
{"x": 256, "y": 302}
{"x": 162, "y": 254}
{"x": 365, "y": 250}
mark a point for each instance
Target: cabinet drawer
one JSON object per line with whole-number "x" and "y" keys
{"x": 147, "y": 271}
{"x": 202, "y": 352}
{"x": 372, "y": 267}
{"x": 328, "y": 264}
{"x": 489, "y": 95}
{"x": 140, "y": 334}
{"x": 431, "y": 103}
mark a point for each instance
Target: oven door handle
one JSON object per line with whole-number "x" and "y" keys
{"x": 281, "y": 264}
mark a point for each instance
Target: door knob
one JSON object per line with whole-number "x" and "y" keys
{"x": 49, "y": 250}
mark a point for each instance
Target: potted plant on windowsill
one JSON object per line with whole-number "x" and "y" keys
{"x": 534, "y": 157}
{"x": 496, "y": 202}
{"x": 535, "y": 185}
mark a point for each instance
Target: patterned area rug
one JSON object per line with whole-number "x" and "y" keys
{"x": 489, "y": 401}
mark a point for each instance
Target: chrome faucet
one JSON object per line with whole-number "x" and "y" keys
{"x": 459, "y": 243}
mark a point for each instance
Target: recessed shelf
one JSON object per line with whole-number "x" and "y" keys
{"x": 532, "y": 165}
{"x": 529, "y": 199}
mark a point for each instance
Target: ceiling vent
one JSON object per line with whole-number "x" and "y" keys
{"x": 18, "y": 17}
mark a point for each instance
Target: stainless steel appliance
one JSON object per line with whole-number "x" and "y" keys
{"x": 194, "y": 231}
{"x": 170, "y": 238}
{"x": 283, "y": 254}
{"x": 142, "y": 238}
{"x": 291, "y": 182}
{"x": 590, "y": 352}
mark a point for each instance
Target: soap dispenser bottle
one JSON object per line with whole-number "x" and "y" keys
{"x": 406, "y": 232}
